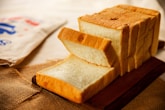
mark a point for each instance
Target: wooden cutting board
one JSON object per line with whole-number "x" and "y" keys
{"x": 121, "y": 91}
{"x": 124, "y": 89}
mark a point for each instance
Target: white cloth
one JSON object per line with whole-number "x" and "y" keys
{"x": 19, "y": 36}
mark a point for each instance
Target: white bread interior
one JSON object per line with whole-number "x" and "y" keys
{"x": 75, "y": 79}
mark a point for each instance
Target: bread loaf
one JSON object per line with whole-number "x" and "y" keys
{"x": 75, "y": 79}
{"x": 111, "y": 42}
{"x": 129, "y": 30}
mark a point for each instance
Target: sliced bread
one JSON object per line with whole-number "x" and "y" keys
{"x": 91, "y": 48}
{"x": 150, "y": 40}
{"x": 75, "y": 79}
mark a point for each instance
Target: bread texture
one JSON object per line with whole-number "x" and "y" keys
{"x": 91, "y": 48}
{"x": 75, "y": 79}
{"x": 130, "y": 30}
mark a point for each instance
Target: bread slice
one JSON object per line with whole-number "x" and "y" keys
{"x": 130, "y": 40}
{"x": 93, "y": 49}
{"x": 75, "y": 79}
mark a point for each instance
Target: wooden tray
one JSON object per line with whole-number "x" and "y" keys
{"x": 122, "y": 90}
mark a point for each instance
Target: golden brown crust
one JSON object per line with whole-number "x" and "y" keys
{"x": 55, "y": 85}
{"x": 155, "y": 39}
{"x": 108, "y": 18}
{"x": 139, "y": 9}
{"x": 116, "y": 17}
{"x": 84, "y": 39}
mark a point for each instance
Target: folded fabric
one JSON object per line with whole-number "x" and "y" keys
{"x": 19, "y": 36}
{"x": 14, "y": 89}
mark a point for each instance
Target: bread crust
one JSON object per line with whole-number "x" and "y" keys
{"x": 59, "y": 87}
